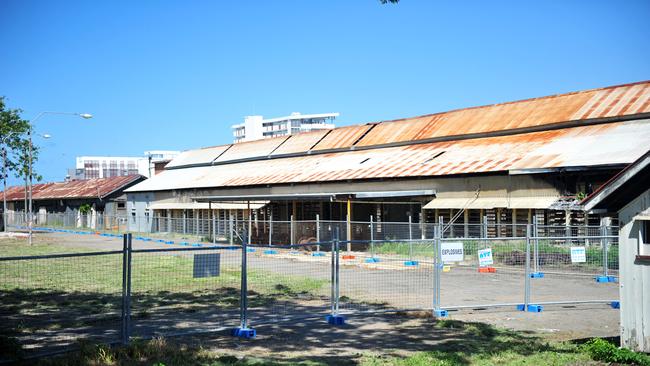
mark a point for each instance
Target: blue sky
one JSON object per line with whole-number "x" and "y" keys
{"x": 178, "y": 74}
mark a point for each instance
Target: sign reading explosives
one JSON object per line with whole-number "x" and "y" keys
{"x": 452, "y": 251}
{"x": 578, "y": 255}
{"x": 485, "y": 257}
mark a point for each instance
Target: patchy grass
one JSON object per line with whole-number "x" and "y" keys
{"x": 467, "y": 344}
{"x": 483, "y": 344}
{"x": 156, "y": 352}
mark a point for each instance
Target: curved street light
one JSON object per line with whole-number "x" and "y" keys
{"x": 30, "y": 132}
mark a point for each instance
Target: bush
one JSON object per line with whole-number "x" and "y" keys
{"x": 601, "y": 350}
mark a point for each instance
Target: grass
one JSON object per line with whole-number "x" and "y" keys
{"x": 462, "y": 343}
{"x": 54, "y": 293}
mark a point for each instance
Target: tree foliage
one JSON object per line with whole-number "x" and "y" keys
{"x": 14, "y": 137}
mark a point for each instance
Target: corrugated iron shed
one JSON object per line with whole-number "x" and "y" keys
{"x": 537, "y": 113}
{"x": 89, "y": 188}
{"x": 594, "y": 145}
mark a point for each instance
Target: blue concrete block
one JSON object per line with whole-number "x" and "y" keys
{"x": 184, "y": 243}
{"x": 318, "y": 254}
{"x": 615, "y": 304}
{"x": 335, "y": 319}
{"x": 601, "y": 279}
{"x": 411, "y": 263}
{"x": 537, "y": 275}
{"x": 612, "y": 279}
{"x": 197, "y": 244}
{"x": 250, "y": 250}
{"x": 532, "y": 308}
{"x": 294, "y": 252}
{"x": 271, "y": 251}
{"x": 160, "y": 240}
{"x": 372, "y": 260}
{"x": 243, "y": 333}
{"x": 440, "y": 313}
{"x": 169, "y": 242}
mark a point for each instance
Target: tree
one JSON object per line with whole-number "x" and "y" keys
{"x": 15, "y": 139}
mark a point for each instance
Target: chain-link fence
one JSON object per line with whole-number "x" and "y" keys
{"x": 170, "y": 287}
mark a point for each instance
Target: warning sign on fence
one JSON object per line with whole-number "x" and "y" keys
{"x": 578, "y": 255}
{"x": 452, "y": 251}
{"x": 485, "y": 257}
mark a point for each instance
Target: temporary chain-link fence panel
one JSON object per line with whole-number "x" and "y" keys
{"x": 51, "y": 302}
{"x": 288, "y": 282}
{"x": 385, "y": 275}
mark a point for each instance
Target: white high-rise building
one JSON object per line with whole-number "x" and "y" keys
{"x": 256, "y": 127}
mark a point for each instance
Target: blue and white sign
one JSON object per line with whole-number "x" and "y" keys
{"x": 452, "y": 251}
{"x": 578, "y": 255}
{"x": 485, "y": 257}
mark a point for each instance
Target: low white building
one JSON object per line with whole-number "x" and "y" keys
{"x": 91, "y": 167}
{"x": 628, "y": 196}
{"x": 256, "y": 127}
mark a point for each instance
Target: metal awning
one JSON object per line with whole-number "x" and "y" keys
{"x": 531, "y": 202}
{"x": 490, "y": 202}
{"x": 326, "y": 196}
{"x": 467, "y": 202}
{"x": 205, "y": 206}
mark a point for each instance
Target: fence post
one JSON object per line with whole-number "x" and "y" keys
{"x": 437, "y": 271}
{"x": 214, "y": 227}
{"x": 318, "y": 232}
{"x": 126, "y": 288}
{"x": 335, "y": 318}
{"x": 605, "y": 248}
{"x": 271, "y": 229}
{"x": 536, "y": 244}
{"x": 243, "y": 331}
{"x": 372, "y": 237}
{"x": 527, "y": 306}
{"x": 410, "y": 239}
{"x": 291, "y": 231}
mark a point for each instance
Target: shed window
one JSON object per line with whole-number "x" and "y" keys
{"x": 645, "y": 238}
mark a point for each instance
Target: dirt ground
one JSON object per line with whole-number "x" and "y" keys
{"x": 383, "y": 283}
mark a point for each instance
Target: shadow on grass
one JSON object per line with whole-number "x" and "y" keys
{"x": 36, "y": 321}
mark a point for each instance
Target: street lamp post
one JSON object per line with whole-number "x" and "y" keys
{"x": 30, "y": 132}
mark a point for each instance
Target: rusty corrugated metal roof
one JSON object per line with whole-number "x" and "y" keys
{"x": 251, "y": 149}
{"x": 300, "y": 142}
{"x": 593, "y": 145}
{"x": 599, "y": 103}
{"x": 89, "y": 188}
{"x": 205, "y": 155}
{"x": 614, "y": 101}
{"x": 342, "y": 137}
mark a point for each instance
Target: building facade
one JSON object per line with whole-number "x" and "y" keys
{"x": 504, "y": 164}
{"x": 93, "y": 167}
{"x": 256, "y": 127}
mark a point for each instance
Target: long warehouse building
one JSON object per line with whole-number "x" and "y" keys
{"x": 506, "y": 164}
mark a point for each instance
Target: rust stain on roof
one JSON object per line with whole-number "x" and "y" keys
{"x": 342, "y": 137}
{"x": 614, "y": 101}
{"x": 89, "y": 188}
{"x": 612, "y": 143}
{"x": 300, "y": 142}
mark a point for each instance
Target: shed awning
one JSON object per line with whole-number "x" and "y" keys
{"x": 490, "y": 202}
{"x": 531, "y": 202}
{"x": 466, "y": 202}
{"x": 205, "y": 206}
